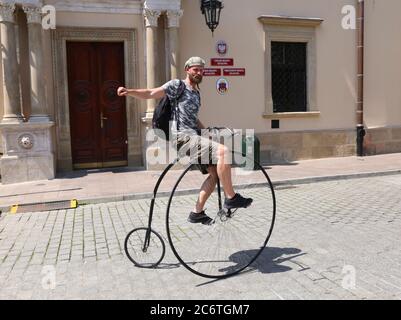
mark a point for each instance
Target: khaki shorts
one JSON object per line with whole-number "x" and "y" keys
{"x": 201, "y": 150}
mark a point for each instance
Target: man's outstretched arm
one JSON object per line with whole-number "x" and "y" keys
{"x": 156, "y": 93}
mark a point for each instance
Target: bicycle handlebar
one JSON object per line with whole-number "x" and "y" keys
{"x": 232, "y": 132}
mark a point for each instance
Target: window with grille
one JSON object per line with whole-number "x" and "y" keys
{"x": 289, "y": 76}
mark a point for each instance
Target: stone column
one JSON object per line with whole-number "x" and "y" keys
{"x": 151, "y": 17}
{"x": 173, "y": 25}
{"x": 151, "y": 23}
{"x": 38, "y": 101}
{"x": 28, "y": 147}
{"x": 11, "y": 87}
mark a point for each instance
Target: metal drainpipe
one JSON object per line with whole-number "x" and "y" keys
{"x": 360, "y": 131}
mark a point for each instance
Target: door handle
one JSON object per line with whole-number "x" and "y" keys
{"x": 101, "y": 120}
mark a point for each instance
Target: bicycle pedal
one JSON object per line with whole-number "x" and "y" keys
{"x": 231, "y": 212}
{"x": 222, "y": 214}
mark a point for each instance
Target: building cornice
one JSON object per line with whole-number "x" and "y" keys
{"x": 290, "y": 21}
{"x": 111, "y": 6}
{"x": 163, "y": 5}
{"x": 31, "y": 3}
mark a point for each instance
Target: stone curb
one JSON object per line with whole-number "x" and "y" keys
{"x": 284, "y": 182}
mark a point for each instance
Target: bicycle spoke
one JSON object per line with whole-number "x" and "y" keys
{"x": 145, "y": 256}
{"x": 235, "y": 240}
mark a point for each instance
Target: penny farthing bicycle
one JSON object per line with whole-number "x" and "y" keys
{"x": 231, "y": 243}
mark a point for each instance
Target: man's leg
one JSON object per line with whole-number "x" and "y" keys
{"x": 221, "y": 171}
{"x": 224, "y": 170}
{"x": 220, "y": 155}
{"x": 233, "y": 200}
{"x": 207, "y": 188}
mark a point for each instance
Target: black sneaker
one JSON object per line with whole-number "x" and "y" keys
{"x": 237, "y": 201}
{"x": 200, "y": 218}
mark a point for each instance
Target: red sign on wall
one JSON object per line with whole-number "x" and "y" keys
{"x": 234, "y": 72}
{"x": 212, "y": 72}
{"x": 222, "y": 62}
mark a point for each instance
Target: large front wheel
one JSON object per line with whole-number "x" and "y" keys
{"x": 234, "y": 240}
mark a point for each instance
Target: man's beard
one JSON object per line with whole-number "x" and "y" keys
{"x": 195, "y": 79}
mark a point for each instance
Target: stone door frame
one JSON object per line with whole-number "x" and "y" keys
{"x": 60, "y": 36}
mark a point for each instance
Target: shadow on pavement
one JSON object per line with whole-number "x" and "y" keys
{"x": 40, "y": 192}
{"x": 269, "y": 261}
{"x": 269, "y": 165}
{"x": 271, "y": 258}
{"x": 168, "y": 265}
{"x": 84, "y": 172}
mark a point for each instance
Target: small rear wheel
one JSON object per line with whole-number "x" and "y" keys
{"x": 142, "y": 253}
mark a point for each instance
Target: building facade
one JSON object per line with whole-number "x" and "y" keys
{"x": 291, "y": 70}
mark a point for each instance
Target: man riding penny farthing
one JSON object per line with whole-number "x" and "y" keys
{"x": 235, "y": 230}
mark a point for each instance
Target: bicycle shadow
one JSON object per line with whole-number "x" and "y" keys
{"x": 269, "y": 261}
{"x": 166, "y": 265}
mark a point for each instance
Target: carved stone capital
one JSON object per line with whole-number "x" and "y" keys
{"x": 7, "y": 12}
{"x": 174, "y": 18}
{"x": 33, "y": 14}
{"x": 151, "y": 17}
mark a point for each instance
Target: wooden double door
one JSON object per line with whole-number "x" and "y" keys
{"x": 98, "y": 119}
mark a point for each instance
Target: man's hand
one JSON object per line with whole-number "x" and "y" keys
{"x": 122, "y": 92}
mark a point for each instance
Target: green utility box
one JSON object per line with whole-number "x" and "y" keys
{"x": 251, "y": 148}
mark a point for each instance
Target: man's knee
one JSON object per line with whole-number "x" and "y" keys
{"x": 222, "y": 150}
{"x": 212, "y": 171}
{"x": 224, "y": 154}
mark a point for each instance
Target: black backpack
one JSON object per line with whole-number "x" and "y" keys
{"x": 164, "y": 110}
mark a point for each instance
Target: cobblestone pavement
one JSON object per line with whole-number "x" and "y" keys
{"x": 332, "y": 240}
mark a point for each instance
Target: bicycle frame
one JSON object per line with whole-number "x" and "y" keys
{"x": 152, "y": 203}
{"x": 219, "y": 194}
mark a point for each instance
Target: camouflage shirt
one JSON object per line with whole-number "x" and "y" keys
{"x": 187, "y": 108}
